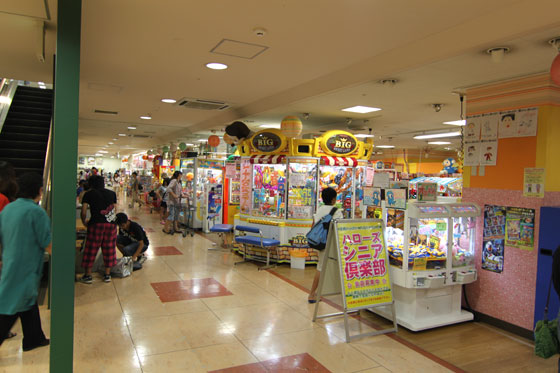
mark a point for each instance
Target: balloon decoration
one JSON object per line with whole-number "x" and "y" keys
{"x": 227, "y": 139}
{"x": 166, "y": 148}
{"x": 182, "y": 146}
{"x": 213, "y": 141}
{"x": 145, "y": 157}
{"x": 190, "y": 176}
{"x": 291, "y": 126}
{"x": 555, "y": 70}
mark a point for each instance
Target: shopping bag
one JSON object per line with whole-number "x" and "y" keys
{"x": 546, "y": 340}
{"x": 123, "y": 268}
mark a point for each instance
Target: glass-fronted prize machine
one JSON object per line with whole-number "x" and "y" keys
{"x": 203, "y": 189}
{"x": 281, "y": 180}
{"x": 431, "y": 257}
{"x": 446, "y": 186}
{"x": 232, "y": 185}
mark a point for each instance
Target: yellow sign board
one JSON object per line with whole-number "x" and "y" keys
{"x": 420, "y": 264}
{"x": 364, "y": 263}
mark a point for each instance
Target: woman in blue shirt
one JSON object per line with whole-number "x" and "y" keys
{"x": 25, "y": 234}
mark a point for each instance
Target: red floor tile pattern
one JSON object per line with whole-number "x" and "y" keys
{"x": 197, "y": 288}
{"x": 165, "y": 250}
{"x": 295, "y": 363}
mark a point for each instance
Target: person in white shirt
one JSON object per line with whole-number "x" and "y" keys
{"x": 329, "y": 199}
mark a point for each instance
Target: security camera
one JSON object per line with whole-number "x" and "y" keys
{"x": 259, "y": 31}
{"x": 437, "y": 107}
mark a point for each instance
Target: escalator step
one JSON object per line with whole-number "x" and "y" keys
{"x": 24, "y": 162}
{"x": 27, "y": 122}
{"x": 23, "y": 170}
{"x": 24, "y": 137}
{"x": 31, "y": 145}
{"x": 26, "y": 129}
{"x": 13, "y": 152}
{"x": 19, "y": 109}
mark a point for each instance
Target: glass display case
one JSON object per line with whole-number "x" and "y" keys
{"x": 269, "y": 184}
{"x": 302, "y": 189}
{"x": 464, "y": 223}
{"x": 339, "y": 178}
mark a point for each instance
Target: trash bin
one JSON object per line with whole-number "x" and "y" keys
{"x": 297, "y": 259}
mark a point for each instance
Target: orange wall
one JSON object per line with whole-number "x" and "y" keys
{"x": 514, "y": 155}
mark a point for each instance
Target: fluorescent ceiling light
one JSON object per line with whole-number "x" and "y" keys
{"x": 5, "y": 100}
{"x": 122, "y": 134}
{"x": 363, "y": 135}
{"x": 110, "y": 143}
{"x": 216, "y": 66}
{"x": 99, "y": 155}
{"x": 103, "y": 151}
{"x": 439, "y": 143}
{"x": 41, "y": 83}
{"x": 385, "y": 146}
{"x": 270, "y": 125}
{"x": 145, "y": 117}
{"x": 461, "y": 122}
{"x": 168, "y": 100}
{"x": 189, "y": 144}
{"x": 361, "y": 109}
{"x": 131, "y": 128}
{"x": 43, "y": 86}
{"x": 438, "y": 135}
{"x": 115, "y": 139}
{"x": 202, "y": 140}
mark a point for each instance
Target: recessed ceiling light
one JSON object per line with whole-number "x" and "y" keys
{"x": 131, "y": 128}
{"x": 216, "y": 66}
{"x": 385, "y": 146}
{"x": 98, "y": 155}
{"x": 122, "y": 134}
{"x": 461, "y": 122}
{"x": 146, "y": 117}
{"x": 168, "y": 100}
{"x": 103, "y": 151}
{"x": 439, "y": 143}
{"x": 115, "y": 139}
{"x": 270, "y": 125}
{"x": 363, "y": 135}
{"x": 110, "y": 143}
{"x": 41, "y": 83}
{"x": 438, "y": 135}
{"x": 361, "y": 109}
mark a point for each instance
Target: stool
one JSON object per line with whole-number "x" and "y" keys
{"x": 222, "y": 230}
{"x": 259, "y": 241}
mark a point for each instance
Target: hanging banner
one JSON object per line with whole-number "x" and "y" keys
{"x": 364, "y": 263}
{"x": 493, "y": 238}
{"x": 533, "y": 182}
{"x": 520, "y": 227}
{"x": 245, "y": 188}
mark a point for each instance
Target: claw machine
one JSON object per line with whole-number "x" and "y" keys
{"x": 430, "y": 258}
{"x": 203, "y": 190}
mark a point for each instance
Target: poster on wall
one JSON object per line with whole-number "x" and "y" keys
{"x": 518, "y": 123}
{"x": 489, "y": 127}
{"x": 396, "y": 198}
{"x": 520, "y": 227}
{"x": 245, "y": 187}
{"x": 81, "y": 160}
{"x": 508, "y": 125}
{"x": 472, "y": 154}
{"x": 533, "y": 182}
{"x": 472, "y": 129}
{"x": 488, "y": 153}
{"x": 372, "y": 196}
{"x": 493, "y": 238}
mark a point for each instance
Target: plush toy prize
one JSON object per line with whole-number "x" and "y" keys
{"x": 449, "y": 166}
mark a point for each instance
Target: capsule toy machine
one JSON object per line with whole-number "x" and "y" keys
{"x": 281, "y": 180}
{"x": 198, "y": 173}
{"x": 430, "y": 258}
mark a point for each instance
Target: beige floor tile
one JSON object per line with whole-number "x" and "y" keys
{"x": 156, "y": 335}
{"x": 263, "y": 320}
{"x": 178, "y": 361}
{"x": 224, "y": 356}
{"x": 328, "y": 350}
{"x": 184, "y": 306}
{"x": 203, "y": 329}
{"x": 395, "y": 356}
{"x": 375, "y": 370}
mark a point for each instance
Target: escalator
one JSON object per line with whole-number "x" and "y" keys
{"x": 25, "y": 134}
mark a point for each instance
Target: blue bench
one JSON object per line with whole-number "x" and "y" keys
{"x": 258, "y": 242}
{"x": 222, "y": 230}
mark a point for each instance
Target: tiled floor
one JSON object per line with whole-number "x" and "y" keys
{"x": 196, "y": 312}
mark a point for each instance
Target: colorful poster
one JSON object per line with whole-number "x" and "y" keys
{"x": 245, "y": 187}
{"x": 372, "y": 196}
{"x": 533, "y": 182}
{"x": 472, "y": 129}
{"x": 427, "y": 191}
{"x": 472, "y": 154}
{"x": 493, "y": 238}
{"x": 508, "y": 124}
{"x": 488, "y": 153}
{"x": 231, "y": 170}
{"x": 369, "y": 176}
{"x": 520, "y": 227}
{"x": 527, "y": 122}
{"x": 489, "y": 127}
{"x": 396, "y": 198}
{"x": 364, "y": 264}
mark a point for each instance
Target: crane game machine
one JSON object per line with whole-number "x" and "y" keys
{"x": 281, "y": 180}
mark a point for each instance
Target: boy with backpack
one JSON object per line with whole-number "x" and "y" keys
{"x": 329, "y": 199}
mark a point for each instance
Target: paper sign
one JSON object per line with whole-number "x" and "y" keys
{"x": 230, "y": 170}
{"x": 488, "y": 153}
{"x": 369, "y": 176}
{"x": 533, "y": 182}
{"x": 489, "y": 127}
{"x": 472, "y": 154}
{"x": 364, "y": 263}
{"x": 427, "y": 191}
{"x": 520, "y": 227}
{"x": 381, "y": 180}
{"x": 246, "y": 186}
{"x": 472, "y": 129}
{"x": 419, "y": 264}
{"x": 508, "y": 124}
{"x": 298, "y": 179}
{"x": 396, "y": 198}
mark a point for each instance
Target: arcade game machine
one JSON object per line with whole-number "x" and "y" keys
{"x": 282, "y": 178}
{"x": 203, "y": 189}
{"x": 430, "y": 258}
{"x": 232, "y": 190}
{"x": 446, "y": 186}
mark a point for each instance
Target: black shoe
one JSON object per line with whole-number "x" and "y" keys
{"x": 87, "y": 279}
{"x": 106, "y": 278}
{"x": 45, "y": 342}
{"x": 136, "y": 266}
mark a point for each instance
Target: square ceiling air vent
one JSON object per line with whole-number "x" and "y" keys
{"x": 194, "y": 103}
{"x": 239, "y": 49}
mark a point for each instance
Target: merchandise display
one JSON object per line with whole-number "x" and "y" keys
{"x": 281, "y": 180}
{"x": 447, "y": 186}
{"x": 203, "y": 190}
{"x": 431, "y": 246}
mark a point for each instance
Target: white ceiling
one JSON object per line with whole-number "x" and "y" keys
{"x": 322, "y": 55}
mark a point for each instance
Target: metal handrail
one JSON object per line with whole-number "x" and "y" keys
{"x": 46, "y": 201}
{"x": 7, "y": 91}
